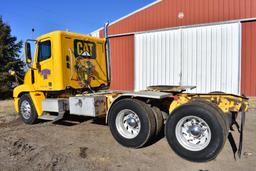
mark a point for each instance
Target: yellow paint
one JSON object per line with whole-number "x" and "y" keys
{"x": 63, "y": 55}
{"x": 99, "y": 63}
{"x": 37, "y": 98}
{"x": 16, "y": 104}
{"x": 60, "y": 67}
{"x": 177, "y": 102}
{"x": 227, "y": 103}
{"x": 110, "y": 99}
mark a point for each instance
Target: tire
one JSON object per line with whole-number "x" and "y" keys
{"x": 27, "y": 110}
{"x": 213, "y": 131}
{"x": 221, "y": 113}
{"x": 158, "y": 119}
{"x": 137, "y": 135}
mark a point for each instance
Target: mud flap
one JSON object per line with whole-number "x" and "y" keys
{"x": 240, "y": 147}
{"x": 232, "y": 144}
{"x": 237, "y": 151}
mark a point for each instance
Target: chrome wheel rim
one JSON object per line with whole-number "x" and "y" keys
{"x": 25, "y": 109}
{"x": 193, "y": 133}
{"x": 128, "y": 123}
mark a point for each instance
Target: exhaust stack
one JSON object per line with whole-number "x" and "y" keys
{"x": 108, "y": 51}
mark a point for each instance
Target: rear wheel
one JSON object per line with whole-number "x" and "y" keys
{"x": 196, "y": 131}
{"x": 131, "y": 122}
{"x": 159, "y": 119}
{"x": 27, "y": 110}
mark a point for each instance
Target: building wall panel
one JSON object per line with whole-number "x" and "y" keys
{"x": 122, "y": 63}
{"x": 157, "y": 59}
{"x": 248, "y": 78}
{"x": 211, "y": 58}
{"x": 207, "y": 57}
{"x": 165, "y": 14}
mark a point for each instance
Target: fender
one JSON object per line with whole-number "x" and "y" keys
{"x": 141, "y": 94}
{"x": 22, "y": 89}
{"x": 18, "y": 91}
{"x": 36, "y": 97}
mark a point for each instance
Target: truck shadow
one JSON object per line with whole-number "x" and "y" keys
{"x": 72, "y": 120}
{"x": 155, "y": 139}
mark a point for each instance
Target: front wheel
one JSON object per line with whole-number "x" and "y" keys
{"x": 196, "y": 131}
{"x": 27, "y": 110}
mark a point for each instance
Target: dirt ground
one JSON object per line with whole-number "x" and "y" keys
{"x": 87, "y": 144}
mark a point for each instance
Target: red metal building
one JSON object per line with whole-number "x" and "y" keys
{"x": 174, "y": 13}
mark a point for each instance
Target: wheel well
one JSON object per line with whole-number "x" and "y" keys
{"x": 160, "y": 103}
{"x": 22, "y": 93}
{"x": 115, "y": 101}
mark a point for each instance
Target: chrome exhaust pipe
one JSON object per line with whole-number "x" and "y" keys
{"x": 107, "y": 51}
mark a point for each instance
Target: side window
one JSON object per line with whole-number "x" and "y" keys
{"x": 44, "y": 51}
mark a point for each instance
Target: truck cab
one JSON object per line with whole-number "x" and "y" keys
{"x": 59, "y": 63}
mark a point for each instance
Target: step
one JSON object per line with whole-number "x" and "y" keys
{"x": 53, "y": 118}
{"x": 48, "y": 117}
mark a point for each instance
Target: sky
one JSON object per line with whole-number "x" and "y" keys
{"x": 80, "y": 16}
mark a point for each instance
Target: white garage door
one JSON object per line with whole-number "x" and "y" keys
{"x": 207, "y": 57}
{"x": 157, "y": 59}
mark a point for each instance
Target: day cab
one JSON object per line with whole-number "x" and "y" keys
{"x": 70, "y": 74}
{"x": 52, "y": 69}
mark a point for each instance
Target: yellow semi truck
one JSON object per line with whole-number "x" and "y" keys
{"x": 70, "y": 74}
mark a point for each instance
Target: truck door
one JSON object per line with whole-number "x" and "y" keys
{"x": 44, "y": 72}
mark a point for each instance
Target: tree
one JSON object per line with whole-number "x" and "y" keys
{"x": 9, "y": 59}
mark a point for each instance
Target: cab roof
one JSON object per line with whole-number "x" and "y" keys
{"x": 69, "y": 34}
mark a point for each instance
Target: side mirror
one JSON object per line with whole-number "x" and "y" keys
{"x": 27, "y": 50}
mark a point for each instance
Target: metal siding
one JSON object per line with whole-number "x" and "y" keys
{"x": 122, "y": 63}
{"x": 157, "y": 59}
{"x": 165, "y": 14}
{"x": 248, "y": 82}
{"x": 211, "y": 58}
{"x": 207, "y": 57}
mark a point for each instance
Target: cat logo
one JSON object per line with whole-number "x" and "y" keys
{"x": 85, "y": 49}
